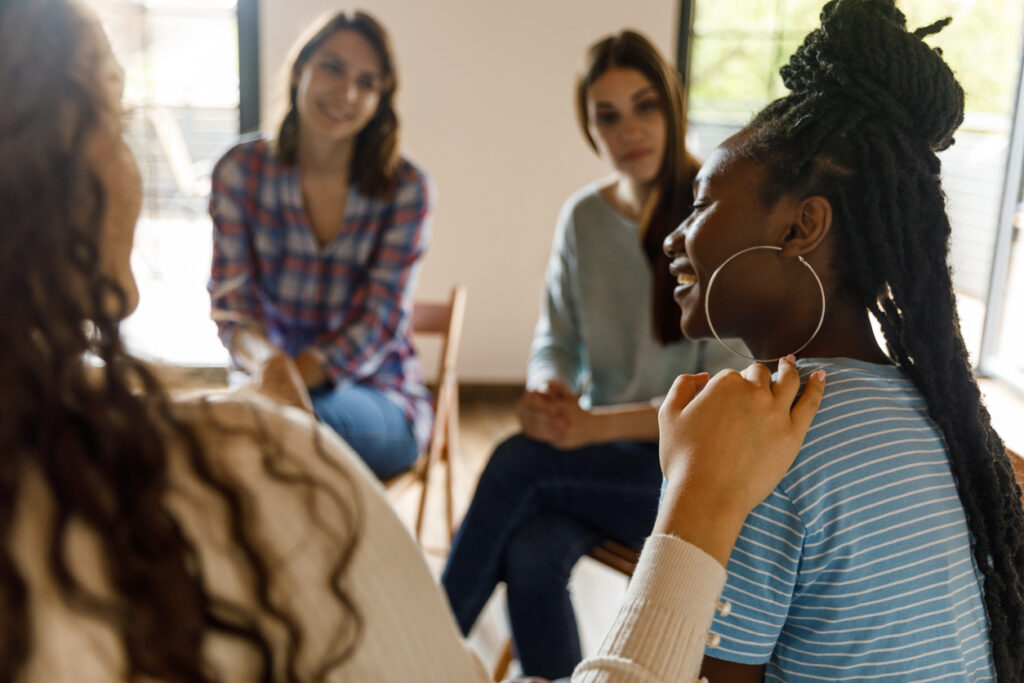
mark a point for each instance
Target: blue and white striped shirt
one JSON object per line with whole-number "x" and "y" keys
{"x": 859, "y": 565}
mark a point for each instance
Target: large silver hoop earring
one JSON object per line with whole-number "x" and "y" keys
{"x": 707, "y": 305}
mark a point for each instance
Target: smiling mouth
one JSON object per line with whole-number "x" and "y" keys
{"x": 637, "y": 155}
{"x": 336, "y": 113}
{"x": 686, "y": 278}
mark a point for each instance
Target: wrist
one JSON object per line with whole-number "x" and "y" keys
{"x": 710, "y": 522}
{"x": 607, "y": 425}
{"x": 595, "y": 427}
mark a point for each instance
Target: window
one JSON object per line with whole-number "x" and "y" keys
{"x": 180, "y": 59}
{"x": 736, "y": 50}
{"x": 1004, "y": 324}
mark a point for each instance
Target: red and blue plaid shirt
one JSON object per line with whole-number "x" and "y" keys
{"x": 350, "y": 301}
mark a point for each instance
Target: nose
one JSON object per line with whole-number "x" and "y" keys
{"x": 632, "y": 131}
{"x": 351, "y": 91}
{"x": 675, "y": 243}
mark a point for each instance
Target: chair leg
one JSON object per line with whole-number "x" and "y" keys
{"x": 433, "y": 455}
{"x": 451, "y": 442}
{"x": 501, "y": 667}
{"x": 425, "y": 484}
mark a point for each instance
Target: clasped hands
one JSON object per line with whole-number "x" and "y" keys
{"x": 552, "y": 414}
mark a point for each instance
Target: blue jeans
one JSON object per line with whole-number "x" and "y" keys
{"x": 371, "y": 424}
{"x": 535, "y": 512}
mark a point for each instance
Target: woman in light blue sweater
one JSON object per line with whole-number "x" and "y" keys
{"x": 606, "y": 347}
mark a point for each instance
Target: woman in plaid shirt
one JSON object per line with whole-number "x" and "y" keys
{"x": 317, "y": 241}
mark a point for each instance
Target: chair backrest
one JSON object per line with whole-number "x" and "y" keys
{"x": 1018, "y": 470}
{"x": 445, "y": 320}
{"x": 172, "y": 141}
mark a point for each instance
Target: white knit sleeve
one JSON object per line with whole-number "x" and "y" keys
{"x": 662, "y": 627}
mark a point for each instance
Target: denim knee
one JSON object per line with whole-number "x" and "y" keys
{"x": 543, "y": 551}
{"x": 514, "y": 465}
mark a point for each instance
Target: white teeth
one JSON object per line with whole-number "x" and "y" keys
{"x": 686, "y": 278}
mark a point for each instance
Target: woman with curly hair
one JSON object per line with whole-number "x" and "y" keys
{"x": 146, "y": 539}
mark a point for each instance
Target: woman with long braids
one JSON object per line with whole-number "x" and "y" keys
{"x": 318, "y": 236}
{"x": 894, "y": 547}
{"x": 145, "y": 539}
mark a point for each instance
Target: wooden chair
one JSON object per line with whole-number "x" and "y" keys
{"x": 611, "y": 554}
{"x": 1017, "y": 462}
{"x": 443, "y": 319}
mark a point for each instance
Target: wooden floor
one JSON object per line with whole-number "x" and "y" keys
{"x": 487, "y": 417}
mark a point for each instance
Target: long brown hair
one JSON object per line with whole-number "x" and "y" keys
{"x": 671, "y": 198}
{"x": 101, "y": 445}
{"x": 375, "y": 161}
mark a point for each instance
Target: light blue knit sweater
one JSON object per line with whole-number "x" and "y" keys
{"x": 594, "y": 331}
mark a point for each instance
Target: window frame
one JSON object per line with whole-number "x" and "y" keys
{"x": 248, "y": 66}
{"x": 989, "y": 364}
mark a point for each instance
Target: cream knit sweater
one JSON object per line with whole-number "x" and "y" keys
{"x": 409, "y": 634}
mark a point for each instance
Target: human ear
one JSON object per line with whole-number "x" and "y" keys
{"x": 811, "y": 225}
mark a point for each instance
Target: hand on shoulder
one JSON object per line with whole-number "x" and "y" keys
{"x": 725, "y": 444}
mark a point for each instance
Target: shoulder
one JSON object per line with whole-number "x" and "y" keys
{"x": 236, "y": 430}
{"x": 413, "y": 184}
{"x": 872, "y": 424}
{"x": 585, "y": 209}
{"x": 857, "y": 392}
{"x": 250, "y": 155}
{"x": 585, "y": 204}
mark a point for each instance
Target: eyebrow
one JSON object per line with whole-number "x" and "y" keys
{"x": 635, "y": 97}
{"x": 338, "y": 58}
{"x": 643, "y": 92}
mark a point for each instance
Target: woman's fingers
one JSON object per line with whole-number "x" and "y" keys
{"x": 683, "y": 390}
{"x": 806, "y": 406}
{"x": 787, "y": 381}
{"x": 556, "y": 390}
{"x": 758, "y": 375}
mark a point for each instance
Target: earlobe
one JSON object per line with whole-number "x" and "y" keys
{"x": 813, "y": 223}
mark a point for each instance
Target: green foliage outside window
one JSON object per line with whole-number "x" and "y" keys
{"x": 738, "y": 47}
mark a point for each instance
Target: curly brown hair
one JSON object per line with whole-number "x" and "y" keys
{"x": 101, "y": 445}
{"x": 374, "y": 165}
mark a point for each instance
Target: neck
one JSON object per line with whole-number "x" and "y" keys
{"x": 632, "y": 196}
{"x": 316, "y": 155}
{"x": 845, "y": 333}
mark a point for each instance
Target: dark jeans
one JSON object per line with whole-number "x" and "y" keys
{"x": 371, "y": 424}
{"x": 535, "y": 512}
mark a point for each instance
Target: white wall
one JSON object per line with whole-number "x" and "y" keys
{"x": 486, "y": 100}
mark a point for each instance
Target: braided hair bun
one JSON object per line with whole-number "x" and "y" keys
{"x": 864, "y": 57}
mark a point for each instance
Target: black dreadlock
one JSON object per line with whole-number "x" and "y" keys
{"x": 869, "y": 107}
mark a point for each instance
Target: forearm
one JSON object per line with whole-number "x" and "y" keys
{"x": 626, "y": 422}
{"x": 711, "y": 523}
